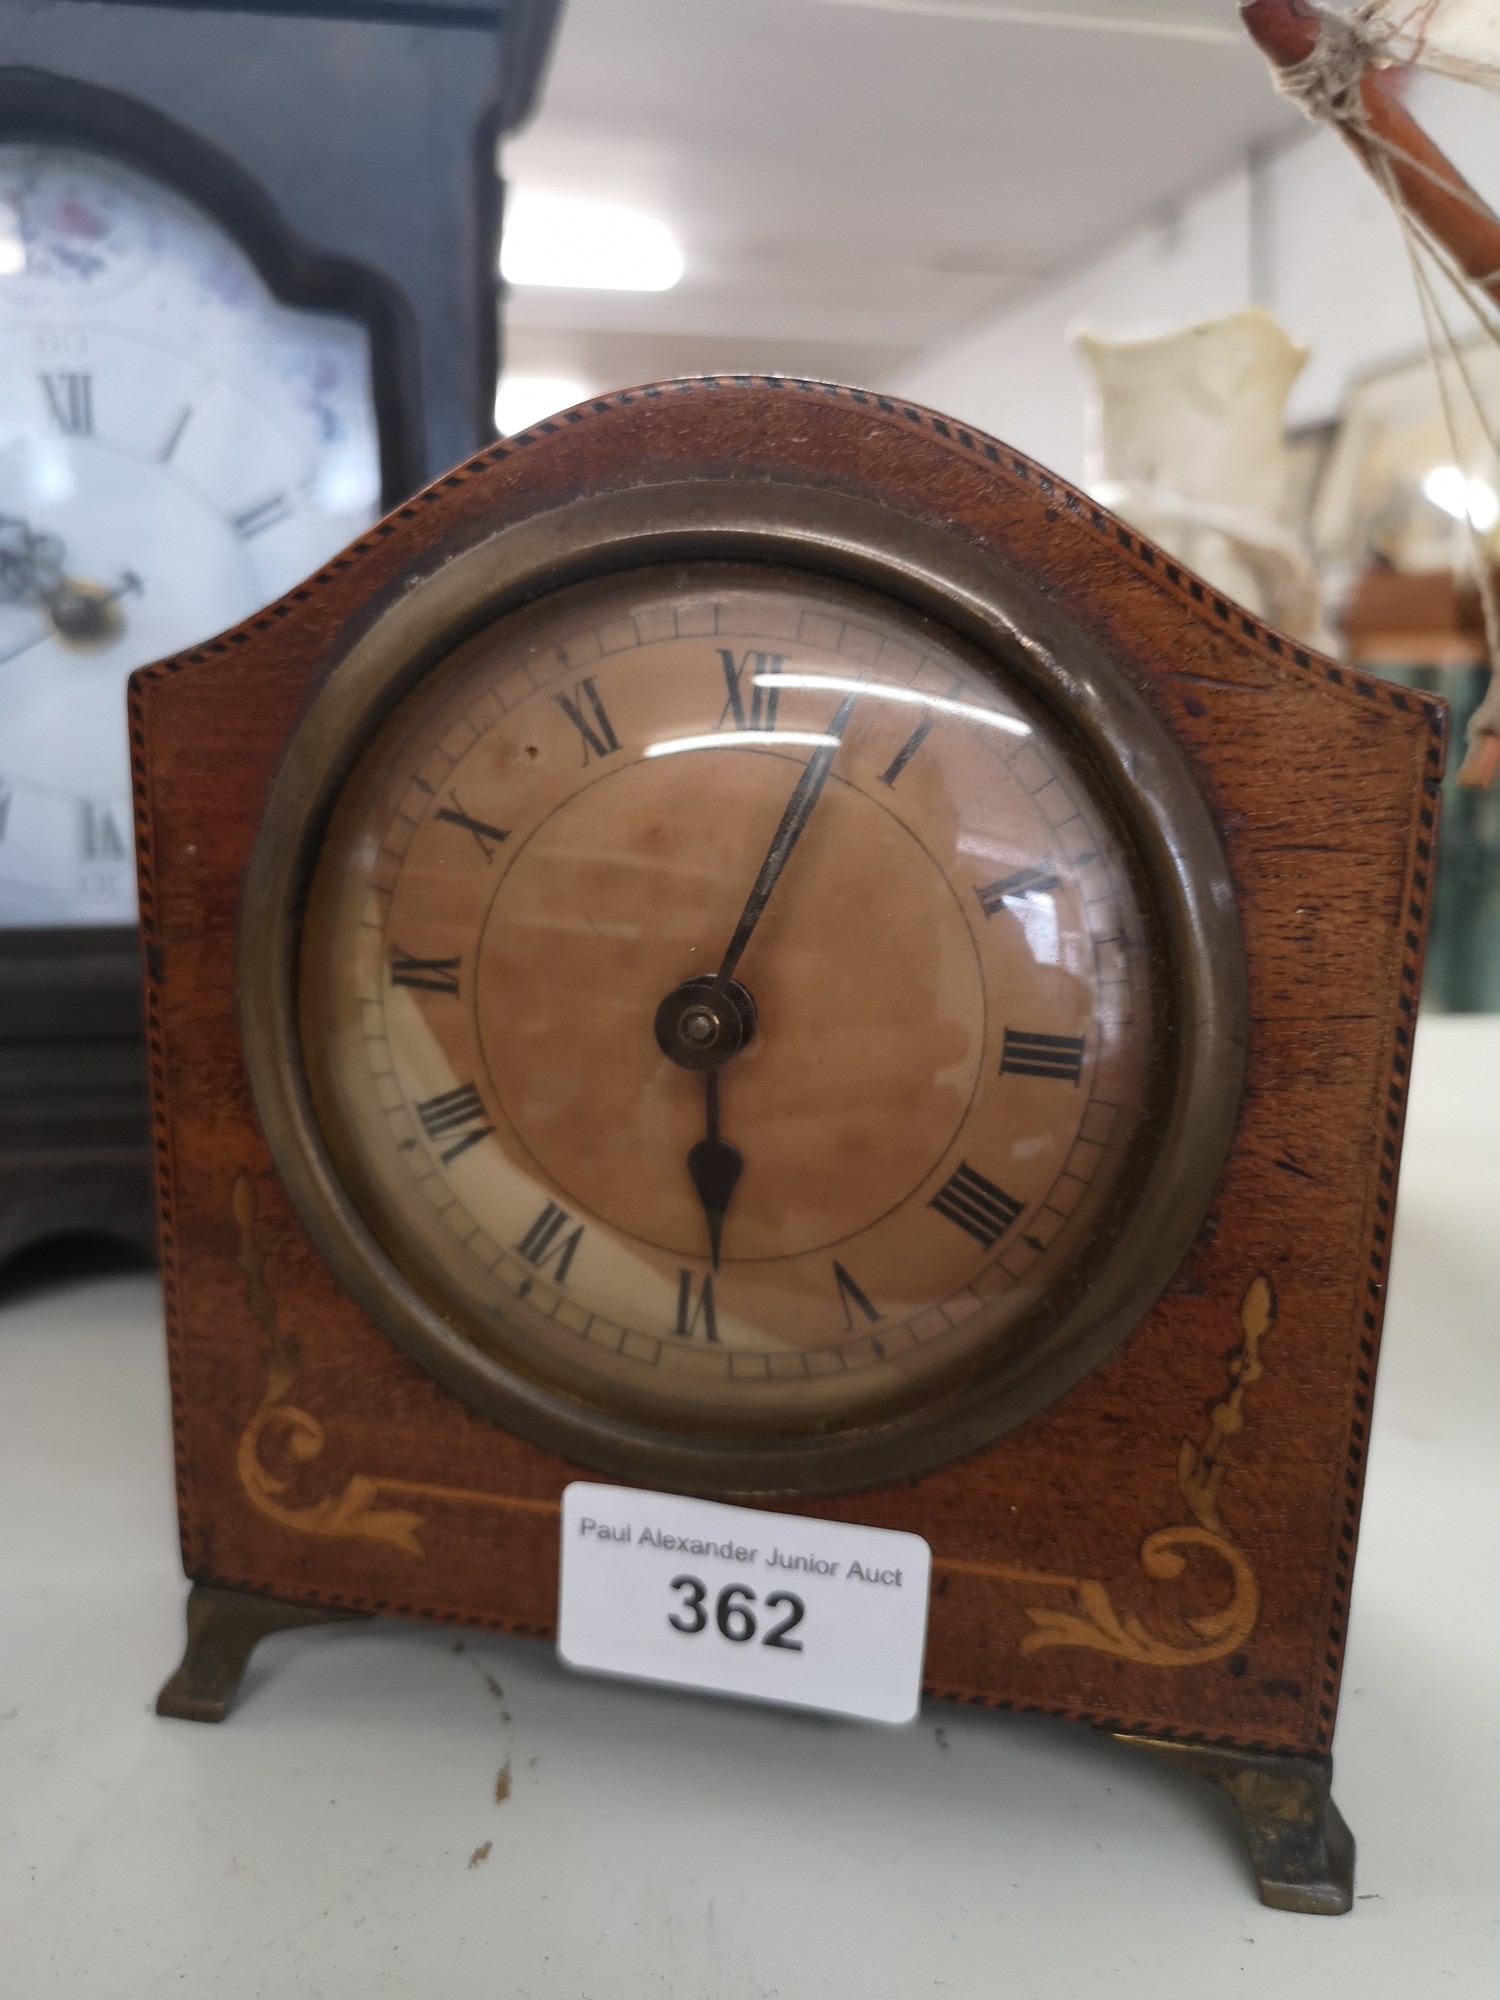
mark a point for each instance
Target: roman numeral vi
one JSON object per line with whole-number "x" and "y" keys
{"x": 70, "y": 398}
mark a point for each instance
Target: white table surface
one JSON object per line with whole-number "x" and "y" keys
{"x": 340, "y": 1836}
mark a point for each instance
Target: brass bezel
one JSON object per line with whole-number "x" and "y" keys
{"x": 460, "y": 585}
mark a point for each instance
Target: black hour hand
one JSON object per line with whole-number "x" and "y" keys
{"x": 714, "y": 1167}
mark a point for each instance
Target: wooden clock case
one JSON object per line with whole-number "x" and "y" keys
{"x": 349, "y": 149}
{"x": 1165, "y": 1552}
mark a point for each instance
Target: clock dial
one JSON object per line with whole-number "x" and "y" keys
{"x": 730, "y": 1000}
{"x": 176, "y": 447}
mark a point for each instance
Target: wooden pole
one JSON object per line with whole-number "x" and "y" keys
{"x": 1433, "y": 189}
{"x": 1390, "y": 141}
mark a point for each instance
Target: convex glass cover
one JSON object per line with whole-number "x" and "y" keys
{"x": 729, "y": 1000}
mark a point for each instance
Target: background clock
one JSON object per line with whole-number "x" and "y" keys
{"x": 247, "y": 299}
{"x": 176, "y": 446}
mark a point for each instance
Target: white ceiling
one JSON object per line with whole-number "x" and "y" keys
{"x": 855, "y": 181}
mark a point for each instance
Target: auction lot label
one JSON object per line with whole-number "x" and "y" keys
{"x": 776, "y": 1607}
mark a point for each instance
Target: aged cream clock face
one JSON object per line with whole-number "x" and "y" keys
{"x": 727, "y": 1001}
{"x": 176, "y": 448}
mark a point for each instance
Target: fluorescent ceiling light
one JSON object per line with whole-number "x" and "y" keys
{"x": 523, "y": 400}
{"x": 1177, "y": 20}
{"x": 586, "y": 246}
{"x": 12, "y": 244}
{"x": 1446, "y": 487}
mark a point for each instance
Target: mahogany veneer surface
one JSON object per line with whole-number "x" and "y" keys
{"x": 1168, "y": 1548}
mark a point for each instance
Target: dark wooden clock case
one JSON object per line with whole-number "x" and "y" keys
{"x": 1166, "y": 1551}
{"x": 348, "y": 146}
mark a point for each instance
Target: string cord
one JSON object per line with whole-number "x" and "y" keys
{"x": 1326, "y": 85}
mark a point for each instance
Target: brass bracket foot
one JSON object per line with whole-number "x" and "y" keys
{"x": 224, "y": 1627}
{"x": 1300, "y": 1847}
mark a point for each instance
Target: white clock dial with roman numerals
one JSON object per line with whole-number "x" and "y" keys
{"x": 176, "y": 448}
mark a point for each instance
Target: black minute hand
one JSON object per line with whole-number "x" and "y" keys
{"x": 798, "y": 811}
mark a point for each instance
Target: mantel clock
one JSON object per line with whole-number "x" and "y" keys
{"x": 247, "y": 300}
{"x": 753, "y": 942}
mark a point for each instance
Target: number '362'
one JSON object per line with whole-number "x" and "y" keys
{"x": 733, "y": 1615}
